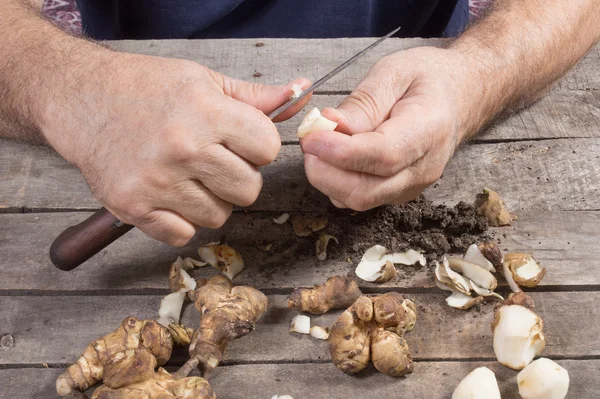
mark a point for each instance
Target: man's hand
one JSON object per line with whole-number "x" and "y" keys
{"x": 169, "y": 145}
{"x": 396, "y": 131}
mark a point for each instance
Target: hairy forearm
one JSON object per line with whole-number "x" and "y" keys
{"x": 521, "y": 48}
{"x": 40, "y": 66}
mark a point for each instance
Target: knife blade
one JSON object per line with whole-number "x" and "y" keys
{"x": 330, "y": 75}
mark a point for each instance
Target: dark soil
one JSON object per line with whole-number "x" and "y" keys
{"x": 418, "y": 224}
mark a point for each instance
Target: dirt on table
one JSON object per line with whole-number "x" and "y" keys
{"x": 418, "y": 224}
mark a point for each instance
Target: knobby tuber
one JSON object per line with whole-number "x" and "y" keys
{"x": 336, "y": 293}
{"x": 112, "y": 350}
{"x": 227, "y": 313}
{"x": 159, "y": 385}
{"x": 372, "y": 329}
{"x": 304, "y": 226}
{"x": 490, "y": 205}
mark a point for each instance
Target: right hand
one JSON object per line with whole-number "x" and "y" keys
{"x": 169, "y": 145}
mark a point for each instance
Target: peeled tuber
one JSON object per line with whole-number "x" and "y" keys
{"x": 481, "y": 383}
{"x": 517, "y": 334}
{"x": 314, "y": 122}
{"x": 336, "y": 293}
{"x": 543, "y": 379}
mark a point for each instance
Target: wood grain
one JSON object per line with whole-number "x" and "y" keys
{"x": 564, "y": 242}
{"x": 432, "y": 380}
{"x": 282, "y": 60}
{"x": 57, "y": 329}
{"x": 529, "y": 175}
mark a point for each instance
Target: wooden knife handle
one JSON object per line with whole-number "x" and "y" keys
{"x": 78, "y": 243}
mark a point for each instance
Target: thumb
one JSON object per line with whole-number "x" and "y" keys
{"x": 265, "y": 97}
{"x": 370, "y": 104}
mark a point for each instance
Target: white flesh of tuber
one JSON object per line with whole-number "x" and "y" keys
{"x": 518, "y": 336}
{"x": 300, "y": 324}
{"x": 222, "y": 257}
{"x": 321, "y": 245}
{"x": 170, "y": 308}
{"x": 474, "y": 272}
{"x": 474, "y": 255}
{"x": 481, "y": 383}
{"x": 319, "y": 332}
{"x": 296, "y": 91}
{"x": 315, "y": 122}
{"x": 543, "y": 379}
{"x": 525, "y": 270}
{"x": 377, "y": 265}
{"x": 282, "y": 218}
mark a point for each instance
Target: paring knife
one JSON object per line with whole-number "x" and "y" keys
{"x": 80, "y": 242}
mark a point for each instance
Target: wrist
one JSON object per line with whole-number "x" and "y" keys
{"x": 479, "y": 88}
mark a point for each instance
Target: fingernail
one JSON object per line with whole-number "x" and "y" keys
{"x": 312, "y": 147}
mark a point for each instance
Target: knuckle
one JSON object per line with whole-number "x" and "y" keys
{"x": 389, "y": 163}
{"x": 251, "y": 191}
{"x": 359, "y": 202}
{"x": 180, "y": 239}
{"x": 271, "y": 144}
{"x": 218, "y": 217}
{"x": 178, "y": 147}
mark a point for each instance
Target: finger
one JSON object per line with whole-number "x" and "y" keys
{"x": 395, "y": 145}
{"x": 358, "y": 191}
{"x": 196, "y": 204}
{"x": 372, "y": 152}
{"x": 338, "y": 204}
{"x": 247, "y": 132}
{"x": 228, "y": 176}
{"x": 168, "y": 227}
{"x": 371, "y": 102}
{"x": 264, "y": 97}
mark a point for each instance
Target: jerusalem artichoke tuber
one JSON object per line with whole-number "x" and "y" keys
{"x": 227, "y": 313}
{"x": 336, "y": 293}
{"x": 161, "y": 385}
{"x": 112, "y": 349}
{"x": 372, "y": 329}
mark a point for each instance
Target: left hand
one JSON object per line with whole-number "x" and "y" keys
{"x": 396, "y": 131}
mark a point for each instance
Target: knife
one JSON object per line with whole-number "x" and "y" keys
{"x": 80, "y": 242}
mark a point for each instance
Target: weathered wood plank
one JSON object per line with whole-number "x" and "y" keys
{"x": 282, "y": 60}
{"x": 57, "y": 329}
{"x": 529, "y": 175}
{"x": 429, "y": 380}
{"x": 565, "y": 243}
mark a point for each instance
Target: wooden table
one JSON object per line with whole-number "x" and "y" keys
{"x": 544, "y": 161}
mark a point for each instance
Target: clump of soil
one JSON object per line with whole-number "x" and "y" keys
{"x": 418, "y": 224}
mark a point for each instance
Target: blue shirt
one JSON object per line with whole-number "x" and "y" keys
{"x": 191, "y": 19}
